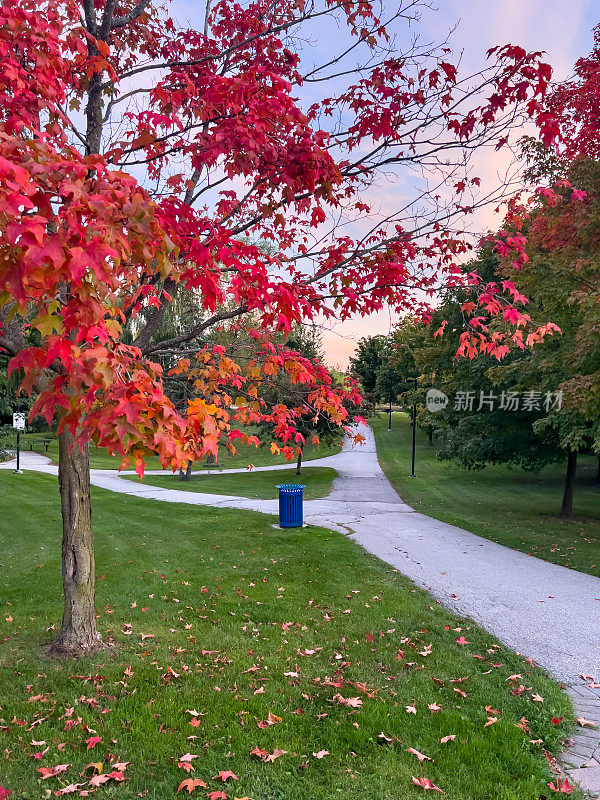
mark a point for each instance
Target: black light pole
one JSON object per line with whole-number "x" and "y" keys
{"x": 414, "y": 427}
{"x": 390, "y": 413}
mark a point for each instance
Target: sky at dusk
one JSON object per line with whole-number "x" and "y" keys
{"x": 561, "y": 28}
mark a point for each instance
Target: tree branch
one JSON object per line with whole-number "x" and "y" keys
{"x": 136, "y": 11}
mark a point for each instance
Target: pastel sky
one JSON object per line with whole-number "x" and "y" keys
{"x": 561, "y": 28}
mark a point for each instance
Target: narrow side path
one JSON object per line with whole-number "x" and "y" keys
{"x": 545, "y": 611}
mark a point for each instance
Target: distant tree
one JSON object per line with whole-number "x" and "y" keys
{"x": 561, "y": 278}
{"x": 512, "y": 411}
{"x": 368, "y": 360}
{"x": 281, "y": 391}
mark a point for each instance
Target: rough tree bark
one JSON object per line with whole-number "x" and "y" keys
{"x": 299, "y": 462}
{"x": 186, "y": 475}
{"x": 430, "y": 436}
{"x": 78, "y": 633}
{"x": 567, "y": 503}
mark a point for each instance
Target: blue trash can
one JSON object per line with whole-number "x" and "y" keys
{"x": 290, "y": 505}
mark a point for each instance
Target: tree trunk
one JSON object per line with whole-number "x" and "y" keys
{"x": 430, "y": 436}
{"x": 567, "y": 503}
{"x": 187, "y": 475}
{"x": 598, "y": 471}
{"x": 299, "y": 463}
{"x": 78, "y": 633}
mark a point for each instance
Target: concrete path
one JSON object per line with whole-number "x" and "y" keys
{"x": 547, "y": 612}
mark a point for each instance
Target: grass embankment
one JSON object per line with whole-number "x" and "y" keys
{"x": 261, "y": 456}
{"x": 516, "y": 508}
{"x": 259, "y": 485}
{"x": 219, "y": 621}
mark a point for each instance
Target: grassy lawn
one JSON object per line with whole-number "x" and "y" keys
{"x": 219, "y": 621}
{"x": 100, "y": 459}
{"x": 260, "y": 485}
{"x": 510, "y": 506}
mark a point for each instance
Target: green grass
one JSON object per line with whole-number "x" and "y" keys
{"x": 232, "y": 605}
{"x": 515, "y": 508}
{"x": 261, "y": 456}
{"x": 259, "y": 485}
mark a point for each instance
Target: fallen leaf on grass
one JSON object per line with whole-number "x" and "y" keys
{"x": 95, "y": 766}
{"x": 449, "y": 738}
{"x": 115, "y": 775}
{"x": 70, "y": 789}
{"x": 426, "y": 784}
{"x": 562, "y": 788}
{"x": 271, "y": 719}
{"x": 491, "y": 721}
{"x": 411, "y": 709}
{"x": 4, "y": 792}
{"x": 265, "y": 756}
{"x": 93, "y": 741}
{"x": 190, "y": 784}
{"x": 322, "y": 753}
{"x": 552, "y": 763}
{"x": 49, "y": 772}
{"x": 421, "y": 756}
{"x": 224, "y": 775}
{"x": 353, "y": 702}
{"x": 556, "y": 720}
{"x": 218, "y": 795}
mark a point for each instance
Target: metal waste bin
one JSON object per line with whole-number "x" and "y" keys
{"x": 290, "y": 505}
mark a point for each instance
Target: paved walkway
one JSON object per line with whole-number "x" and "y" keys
{"x": 547, "y": 612}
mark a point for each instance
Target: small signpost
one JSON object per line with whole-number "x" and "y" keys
{"x": 18, "y": 425}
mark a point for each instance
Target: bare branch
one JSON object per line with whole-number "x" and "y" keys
{"x": 119, "y": 22}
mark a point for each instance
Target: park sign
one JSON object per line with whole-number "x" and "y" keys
{"x": 18, "y": 421}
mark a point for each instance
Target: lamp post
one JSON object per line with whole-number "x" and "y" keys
{"x": 414, "y": 427}
{"x": 390, "y": 398}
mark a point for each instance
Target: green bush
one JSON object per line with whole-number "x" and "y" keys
{"x": 7, "y": 442}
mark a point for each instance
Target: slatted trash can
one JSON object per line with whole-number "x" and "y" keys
{"x": 290, "y": 505}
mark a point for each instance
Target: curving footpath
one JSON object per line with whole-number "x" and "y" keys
{"x": 547, "y": 612}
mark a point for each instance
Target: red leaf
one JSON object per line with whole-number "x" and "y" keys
{"x": 426, "y": 784}
{"x": 50, "y": 772}
{"x": 562, "y": 788}
{"x": 190, "y": 784}
{"x": 224, "y": 775}
{"x": 93, "y": 741}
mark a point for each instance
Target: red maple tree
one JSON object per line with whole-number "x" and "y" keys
{"x": 140, "y": 158}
